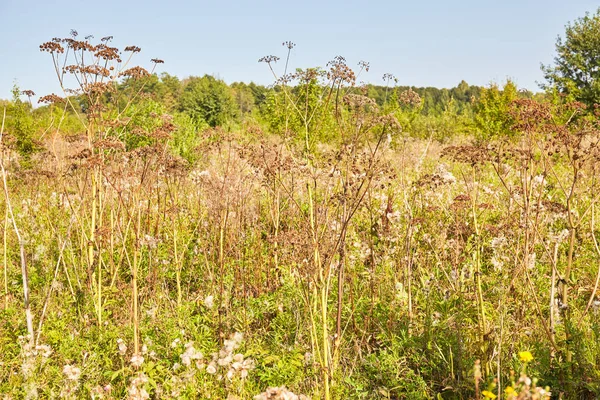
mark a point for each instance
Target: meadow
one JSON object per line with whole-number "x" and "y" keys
{"x": 318, "y": 238}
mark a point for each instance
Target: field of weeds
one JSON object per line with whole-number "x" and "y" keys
{"x": 321, "y": 251}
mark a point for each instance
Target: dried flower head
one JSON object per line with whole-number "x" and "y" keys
{"x": 410, "y": 98}
{"x": 133, "y": 49}
{"x": 52, "y": 47}
{"x": 135, "y": 72}
{"x": 387, "y": 77}
{"x": 51, "y": 99}
{"x": 339, "y": 71}
{"x": 72, "y": 373}
{"x": 137, "y": 360}
{"x": 269, "y": 59}
{"x": 107, "y": 53}
{"x": 289, "y": 45}
{"x": 364, "y": 65}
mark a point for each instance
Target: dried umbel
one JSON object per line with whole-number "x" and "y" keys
{"x": 135, "y": 72}
{"x": 285, "y": 79}
{"x": 52, "y": 47}
{"x": 474, "y": 155}
{"x": 107, "y": 53}
{"x": 387, "y": 77}
{"x": 96, "y": 69}
{"x": 289, "y": 45}
{"x": 269, "y": 59}
{"x": 364, "y": 65}
{"x": 133, "y": 49}
{"x": 118, "y": 123}
{"x": 389, "y": 122}
{"x": 409, "y": 98}
{"x": 358, "y": 102}
{"x": 340, "y": 72}
{"x": 530, "y": 115}
{"x": 578, "y": 141}
{"x": 109, "y": 144}
{"x": 28, "y": 93}
{"x": 51, "y": 99}
{"x": 98, "y": 88}
{"x": 432, "y": 181}
{"x": 308, "y": 75}
{"x": 78, "y": 45}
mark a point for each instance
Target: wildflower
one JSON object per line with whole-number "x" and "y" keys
{"x": 488, "y": 395}
{"x": 97, "y": 392}
{"x": 247, "y": 365}
{"x": 525, "y": 356}
{"x": 31, "y": 391}
{"x": 72, "y": 373}
{"x": 136, "y": 390}
{"x": 279, "y": 393}
{"x": 545, "y": 393}
{"x": 308, "y": 358}
{"x": 209, "y": 302}
{"x": 100, "y": 392}
{"x": 499, "y": 242}
{"x": 190, "y": 354}
{"x": 150, "y": 241}
{"x": 531, "y": 261}
{"x": 225, "y": 360}
{"x": 151, "y": 312}
{"x": 212, "y": 368}
{"x": 238, "y": 358}
{"x": 230, "y": 374}
{"x": 509, "y": 391}
{"x": 122, "y": 347}
{"x": 238, "y": 337}
{"x": 525, "y": 380}
{"x": 44, "y": 350}
{"x": 497, "y": 263}
{"x": 137, "y": 360}
{"x": 538, "y": 180}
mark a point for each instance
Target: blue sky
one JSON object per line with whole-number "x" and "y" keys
{"x": 423, "y": 43}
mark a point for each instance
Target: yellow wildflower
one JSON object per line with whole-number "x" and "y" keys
{"x": 525, "y": 356}
{"x": 509, "y": 390}
{"x": 488, "y": 395}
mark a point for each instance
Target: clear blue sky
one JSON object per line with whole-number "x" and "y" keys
{"x": 423, "y": 43}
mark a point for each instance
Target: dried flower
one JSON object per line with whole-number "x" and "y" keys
{"x": 190, "y": 354}
{"x": 122, "y": 346}
{"x": 212, "y": 368}
{"x": 137, "y": 360}
{"x": 72, "y": 373}
{"x": 209, "y": 302}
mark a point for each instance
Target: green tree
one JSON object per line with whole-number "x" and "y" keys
{"x": 577, "y": 65}
{"x": 21, "y": 124}
{"x": 208, "y": 99}
{"x": 248, "y": 96}
{"x": 491, "y": 112}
